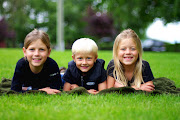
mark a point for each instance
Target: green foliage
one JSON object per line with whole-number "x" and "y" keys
{"x": 173, "y": 47}
{"x": 139, "y": 14}
{"x": 25, "y": 15}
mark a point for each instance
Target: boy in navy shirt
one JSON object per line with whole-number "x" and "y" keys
{"x": 85, "y": 69}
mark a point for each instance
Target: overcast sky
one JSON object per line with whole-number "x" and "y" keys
{"x": 168, "y": 33}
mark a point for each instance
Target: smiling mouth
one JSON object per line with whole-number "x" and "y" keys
{"x": 84, "y": 67}
{"x": 36, "y": 59}
{"x": 128, "y": 58}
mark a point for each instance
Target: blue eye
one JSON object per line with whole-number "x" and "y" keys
{"x": 89, "y": 58}
{"x": 42, "y": 49}
{"x": 79, "y": 58}
{"x": 133, "y": 48}
{"x": 123, "y": 49}
{"x": 31, "y": 49}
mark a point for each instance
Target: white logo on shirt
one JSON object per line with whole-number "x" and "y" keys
{"x": 53, "y": 74}
{"x": 90, "y": 83}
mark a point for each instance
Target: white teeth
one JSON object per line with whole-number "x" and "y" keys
{"x": 37, "y": 59}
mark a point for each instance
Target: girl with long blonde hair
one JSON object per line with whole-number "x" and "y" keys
{"x": 127, "y": 67}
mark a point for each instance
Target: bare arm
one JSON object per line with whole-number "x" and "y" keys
{"x": 110, "y": 82}
{"x": 148, "y": 86}
{"x": 102, "y": 86}
{"x": 74, "y": 86}
{"x": 67, "y": 86}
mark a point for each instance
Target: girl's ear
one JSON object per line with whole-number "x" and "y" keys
{"x": 24, "y": 51}
{"x": 49, "y": 51}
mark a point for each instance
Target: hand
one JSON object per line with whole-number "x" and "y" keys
{"x": 48, "y": 90}
{"x": 74, "y": 86}
{"x": 24, "y": 88}
{"x": 116, "y": 84}
{"x": 93, "y": 91}
{"x": 147, "y": 87}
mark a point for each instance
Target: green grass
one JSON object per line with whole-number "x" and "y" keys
{"x": 92, "y": 107}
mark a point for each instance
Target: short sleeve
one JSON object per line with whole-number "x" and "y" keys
{"x": 110, "y": 68}
{"x": 18, "y": 76}
{"x": 67, "y": 76}
{"x": 103, "y": 73}
{"x": 147, "y": 73}
{"x": 54, "y": 77}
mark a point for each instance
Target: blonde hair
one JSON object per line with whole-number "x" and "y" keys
{"x": 36, "y": 35}
{"x": 118, "y": 68}
{"x": 84, "y": 45}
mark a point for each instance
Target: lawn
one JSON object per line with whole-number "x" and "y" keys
{"x": 92, "y": 107}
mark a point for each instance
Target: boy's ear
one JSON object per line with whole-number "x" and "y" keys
{"x": 73, "y": 57}
{"x": 49, "y": 51}
{"x": 24, "y": 51}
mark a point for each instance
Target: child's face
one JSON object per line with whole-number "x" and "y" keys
{"x": 36, "y": 54}
{"x": 84, "y": 61}
{"x": 128, "y": 53}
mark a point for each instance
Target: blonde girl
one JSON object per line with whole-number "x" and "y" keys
{"x": 127, "y": 67}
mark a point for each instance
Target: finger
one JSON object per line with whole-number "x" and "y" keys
{"x": 149, "y": 88}
{"x": 57, "y": 91}
{"x": 150, "y": 84}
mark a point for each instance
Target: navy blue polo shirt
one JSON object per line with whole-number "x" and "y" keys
{"x": 91, "y": 79}
{"x": 24, "y": 77}
{"x": 146, "y": 71}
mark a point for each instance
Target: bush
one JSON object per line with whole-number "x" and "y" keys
{"x": 173, "y": 47}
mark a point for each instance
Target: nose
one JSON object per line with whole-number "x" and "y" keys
{"x": 128, "y": 51}
{"x": 84, "y": 61}
{"x": 36, "y": 52}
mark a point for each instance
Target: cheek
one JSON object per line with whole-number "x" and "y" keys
{"x": 136, "y": 54}
{"x": 120, "y": 54}
{"x": 77, "y": 63}
{"x": 45, "y": 54}
{"x": 28, "y": 54}
{"x": 91, "y": 63}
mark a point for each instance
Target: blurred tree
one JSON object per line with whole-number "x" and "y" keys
{"x": 99, "y": 24}
{"x": 15, "y": 14}
{"x": 5, "y": 33}
{"x": 75, "y": 24}
{"x": 25, "y": 15}
{"x": 139, "y": 14}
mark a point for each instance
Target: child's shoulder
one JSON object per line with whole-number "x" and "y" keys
{"x": 71, "y": 64}
{"x": 100, "y": 61}
{"x": 50, "y": 62}
{"x": 22, "y": 61}
{"x": 111, "y": 62}
{"x": 145, "y": 62}
{"x": 22, "y": 64}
